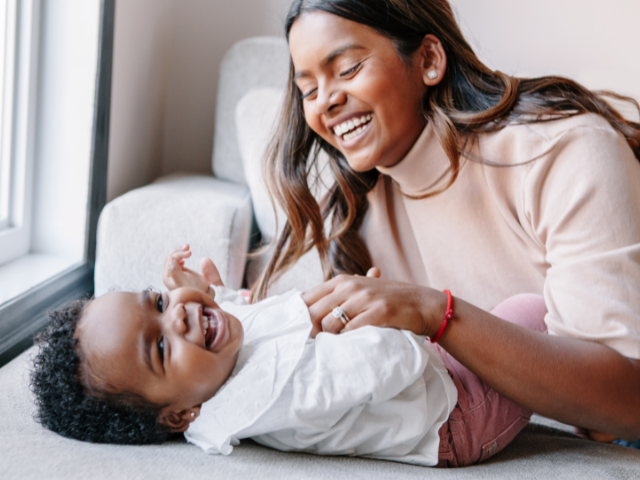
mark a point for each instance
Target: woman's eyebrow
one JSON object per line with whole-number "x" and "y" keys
{"x": 329, "y": 59}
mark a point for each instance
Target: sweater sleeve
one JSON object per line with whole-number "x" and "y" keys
{"x": 583, "y": 200}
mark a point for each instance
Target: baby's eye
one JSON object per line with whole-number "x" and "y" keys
{"x": 351, "y": 71}
{"x": 160, "y": 303}
{"x": 161, "y": 349}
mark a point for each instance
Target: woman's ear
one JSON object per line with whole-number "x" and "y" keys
{"x": 432, "y": 60}
{"x": 179, "y": 421}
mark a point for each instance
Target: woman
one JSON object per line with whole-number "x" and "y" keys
{"x": 453, "y": 176}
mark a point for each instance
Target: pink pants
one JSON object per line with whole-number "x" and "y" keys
{"x": 484, "y": 422}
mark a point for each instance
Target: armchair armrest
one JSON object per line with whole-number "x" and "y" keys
{"x": 139, "y": 229}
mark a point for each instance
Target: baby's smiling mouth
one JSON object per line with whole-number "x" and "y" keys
{"x": 213, "y": 327}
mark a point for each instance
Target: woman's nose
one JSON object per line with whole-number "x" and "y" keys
{"x": 328, "y": 100}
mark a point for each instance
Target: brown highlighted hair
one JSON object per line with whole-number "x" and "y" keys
{"x": 470, "y": 99}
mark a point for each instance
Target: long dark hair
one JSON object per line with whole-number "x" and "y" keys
{"x": 470, "y": 99}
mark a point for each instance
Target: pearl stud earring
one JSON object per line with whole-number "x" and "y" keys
{"x": 433, "y": 74}
{"x": 193, "y": 414}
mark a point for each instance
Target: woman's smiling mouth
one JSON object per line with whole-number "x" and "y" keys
{"x": 353, "y": 127}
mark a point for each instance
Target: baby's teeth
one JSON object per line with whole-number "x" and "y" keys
{"x": 213, "y": 326}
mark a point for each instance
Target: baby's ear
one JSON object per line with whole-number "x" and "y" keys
{"x": 179, "y": 421}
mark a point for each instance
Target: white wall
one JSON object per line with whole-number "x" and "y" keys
{"x": 142, "y": 46}
{"x": 204, "y": 31}
{"x": 166, "y": 58}
{"x": 167, "y": 54}
{"x": 592, "y": 41}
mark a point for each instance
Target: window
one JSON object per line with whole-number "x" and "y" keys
{"x": 18, "y": 47}
{"x": 55, "y": 83}
{"x": 7, "y": 50}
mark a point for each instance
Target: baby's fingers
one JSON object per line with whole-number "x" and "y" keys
{"x": 183, "y": 248}
{"x": 172, "y": 270}
{"x": 180, "y": 255}
{"x": 210, "y": 272}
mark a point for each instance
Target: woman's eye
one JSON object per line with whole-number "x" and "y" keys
{"x": 161, "y": 349}
{"x": 308, "y": 94}
{"x": 160, "y": 303}
{"x": 351, "y": 71}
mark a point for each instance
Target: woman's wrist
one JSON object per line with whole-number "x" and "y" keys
{"x": 433, "y": 311}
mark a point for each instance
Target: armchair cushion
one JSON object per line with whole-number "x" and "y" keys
{"x": 137, "y": 231}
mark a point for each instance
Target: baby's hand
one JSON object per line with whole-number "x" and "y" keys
{"x": 176, "y": 275}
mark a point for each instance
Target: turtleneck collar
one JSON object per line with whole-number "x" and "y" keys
{"x": 424, "y": 169}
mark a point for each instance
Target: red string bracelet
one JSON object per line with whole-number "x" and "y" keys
{"x": 447, "y": 317}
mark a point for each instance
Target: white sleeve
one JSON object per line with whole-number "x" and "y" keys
{"x": 227, "y": 295}
{"x": 367, "y": 365}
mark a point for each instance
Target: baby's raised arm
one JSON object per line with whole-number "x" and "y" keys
{"x": 176, "y": 275}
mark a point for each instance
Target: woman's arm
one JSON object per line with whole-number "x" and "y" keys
{"x": 573, "y": 381}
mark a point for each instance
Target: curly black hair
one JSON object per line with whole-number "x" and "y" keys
{"x": 74, "y": 408}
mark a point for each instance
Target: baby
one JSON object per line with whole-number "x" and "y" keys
{"x": 135, "y": 368}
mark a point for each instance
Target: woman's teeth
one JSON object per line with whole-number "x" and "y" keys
{"x": 352, "y": 128}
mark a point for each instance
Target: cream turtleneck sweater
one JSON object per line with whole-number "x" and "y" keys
{"x": 559, "y": 217}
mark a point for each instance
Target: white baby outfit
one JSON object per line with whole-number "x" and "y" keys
{"x": 371, "y": 392}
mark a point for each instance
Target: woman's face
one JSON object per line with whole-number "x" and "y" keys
{"x": 358, "y": 94}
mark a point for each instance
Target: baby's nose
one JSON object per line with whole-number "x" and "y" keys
{"x": 179, "y": 319}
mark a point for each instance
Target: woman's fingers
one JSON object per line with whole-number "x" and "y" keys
{"x": 373, "y": 301}
{"x": 367, "y": 317}
{"x": 352, "y": 294}
{"x": 332, "y": 324}
{"x": 374, "y": 272}
{"x": 321, "y": 291}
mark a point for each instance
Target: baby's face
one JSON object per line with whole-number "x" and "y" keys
{"x": 176, "y": 348}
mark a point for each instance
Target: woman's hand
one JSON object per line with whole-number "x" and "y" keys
{"x": 372, "y": 301}
{"x": 176, "y": 275}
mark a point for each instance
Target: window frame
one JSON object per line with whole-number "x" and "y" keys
{"x": 25, "y": 315}
{"x": 19, "y": 85}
